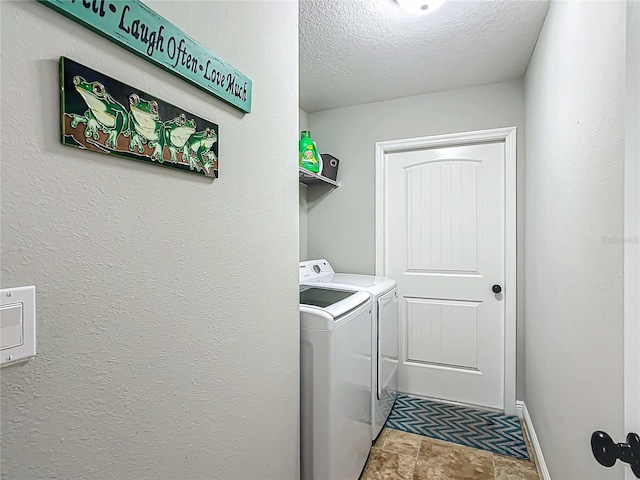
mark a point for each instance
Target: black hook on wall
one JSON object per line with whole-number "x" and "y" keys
{"x": 607, "y": 452}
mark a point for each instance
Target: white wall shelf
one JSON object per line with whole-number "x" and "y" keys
{"x": 309, "y": 178}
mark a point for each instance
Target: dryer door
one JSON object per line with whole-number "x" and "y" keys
{"x": 387, "y": 343}
{"x": 387, "y": 361}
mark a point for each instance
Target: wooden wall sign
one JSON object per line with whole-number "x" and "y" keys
{"x": 104, "y": 115}
{"x": 139, "y": 29}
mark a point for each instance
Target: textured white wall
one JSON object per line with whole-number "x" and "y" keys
{"x": 341, "y": 221}
{"x": 304, "y": 125}
{"x": 574, "y": 227}
{"x": 167, "y": 304}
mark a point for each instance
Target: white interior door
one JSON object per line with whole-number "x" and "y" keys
{"x": 444, "y": 242}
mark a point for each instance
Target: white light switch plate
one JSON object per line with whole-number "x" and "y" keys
{"x": 17, "y": 324}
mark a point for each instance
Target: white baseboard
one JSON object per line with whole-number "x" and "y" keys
{"x": 523, "y": 413}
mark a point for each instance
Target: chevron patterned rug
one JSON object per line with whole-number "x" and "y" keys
{"x": 494, "y": 432}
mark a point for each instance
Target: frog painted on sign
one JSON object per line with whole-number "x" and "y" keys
{"x": 198, "y": 147}
{"x": 104, "y": 113}
{"x": 210, "y": 160}
{"x": 147, "y": 126}
{"x": 176, "y": 133}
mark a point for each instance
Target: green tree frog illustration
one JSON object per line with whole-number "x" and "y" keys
{"x": 198, "y": 147}
{"x": 146, "y": 124}
{"x": 104, "y": 112}
{"x": 177, "y": 132}
{"x": 210, "y": 159}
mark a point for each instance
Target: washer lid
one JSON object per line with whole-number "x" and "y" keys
{"x": 334, "y": 301}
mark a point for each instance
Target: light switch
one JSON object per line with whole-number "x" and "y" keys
{"x": 10, "y": 325}
{"x": 17, "y": 324}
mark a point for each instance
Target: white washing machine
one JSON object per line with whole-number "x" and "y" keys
{"x": 384, "y": 340}
{"x": 335, "y": 382}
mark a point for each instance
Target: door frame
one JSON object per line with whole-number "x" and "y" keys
{"x": 508, "y": 136}
{"x": 632, "y": 230}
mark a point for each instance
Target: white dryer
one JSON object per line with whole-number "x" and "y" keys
{"x": 384, "y": 340}
{"x": 335, "y": 382}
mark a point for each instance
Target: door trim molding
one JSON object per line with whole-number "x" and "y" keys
{"x": 632, "y": 230}
{"x": 541, "y": 465}
{"x": 508, "y": 136}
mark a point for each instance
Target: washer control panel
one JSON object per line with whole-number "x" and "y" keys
{"x": 312, "y": 269}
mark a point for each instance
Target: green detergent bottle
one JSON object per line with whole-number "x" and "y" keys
{"x": 309, "y": 156}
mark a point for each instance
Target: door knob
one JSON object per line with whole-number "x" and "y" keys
{"x": 607, "y": 452}
{"x": 496, "y": 289}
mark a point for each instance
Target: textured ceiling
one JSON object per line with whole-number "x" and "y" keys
{"x": 360, "y": 51}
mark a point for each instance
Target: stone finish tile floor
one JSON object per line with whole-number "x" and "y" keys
{"x": 400, "y": 455}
